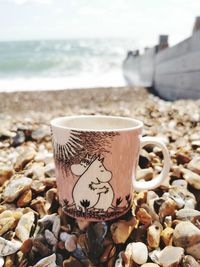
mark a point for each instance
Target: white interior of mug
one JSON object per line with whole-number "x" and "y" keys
{"x": 97, "y": 123}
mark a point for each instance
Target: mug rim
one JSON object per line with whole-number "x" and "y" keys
{"x": 54, "y": 122}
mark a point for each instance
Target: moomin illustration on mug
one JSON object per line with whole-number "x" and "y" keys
{"x": 87, "y": 173}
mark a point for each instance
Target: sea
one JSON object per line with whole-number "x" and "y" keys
{"x": 62, "y": 64}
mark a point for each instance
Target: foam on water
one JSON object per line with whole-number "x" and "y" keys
{"x": 59, "y": 83}
{"x": 61, "y": 64}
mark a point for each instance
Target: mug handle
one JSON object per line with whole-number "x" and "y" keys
{"x": 166, "y": 165}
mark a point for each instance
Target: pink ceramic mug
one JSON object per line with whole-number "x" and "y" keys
{"x": 96, "y": 159}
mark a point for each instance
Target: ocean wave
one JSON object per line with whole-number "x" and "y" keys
{"x": 61, "y": 64}
{"x": 110, "y": 79}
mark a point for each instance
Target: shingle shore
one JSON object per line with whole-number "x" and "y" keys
{"x": 161, "y": 229}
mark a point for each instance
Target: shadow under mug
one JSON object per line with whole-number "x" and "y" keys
{"x": 96, "y": 159}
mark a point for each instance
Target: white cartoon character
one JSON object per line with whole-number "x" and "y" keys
{"x": 92, "y": 190}
{"x": 79, "y": 169}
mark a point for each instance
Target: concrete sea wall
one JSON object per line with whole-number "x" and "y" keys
{"x": 173, "y": 72}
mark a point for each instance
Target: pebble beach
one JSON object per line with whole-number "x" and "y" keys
{"x": 162, "y": 227}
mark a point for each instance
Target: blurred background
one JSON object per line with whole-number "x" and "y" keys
{"x": 60, "y": 44}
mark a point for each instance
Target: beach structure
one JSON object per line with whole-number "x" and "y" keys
{"x": 172, "y": 72}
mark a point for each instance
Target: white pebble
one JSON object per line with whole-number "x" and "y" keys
{"x": 139, "y": 252}
{"x": 118, "y": 263}
{"x": 1, "y": 261}
{"x": 64, "y": 236}
{"x": 49, "y": 261}
{"x": 71, "y": 243}
{"x": 8, "y": 247}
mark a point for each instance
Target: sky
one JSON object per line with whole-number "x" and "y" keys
{"x": 140, "y": 20}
